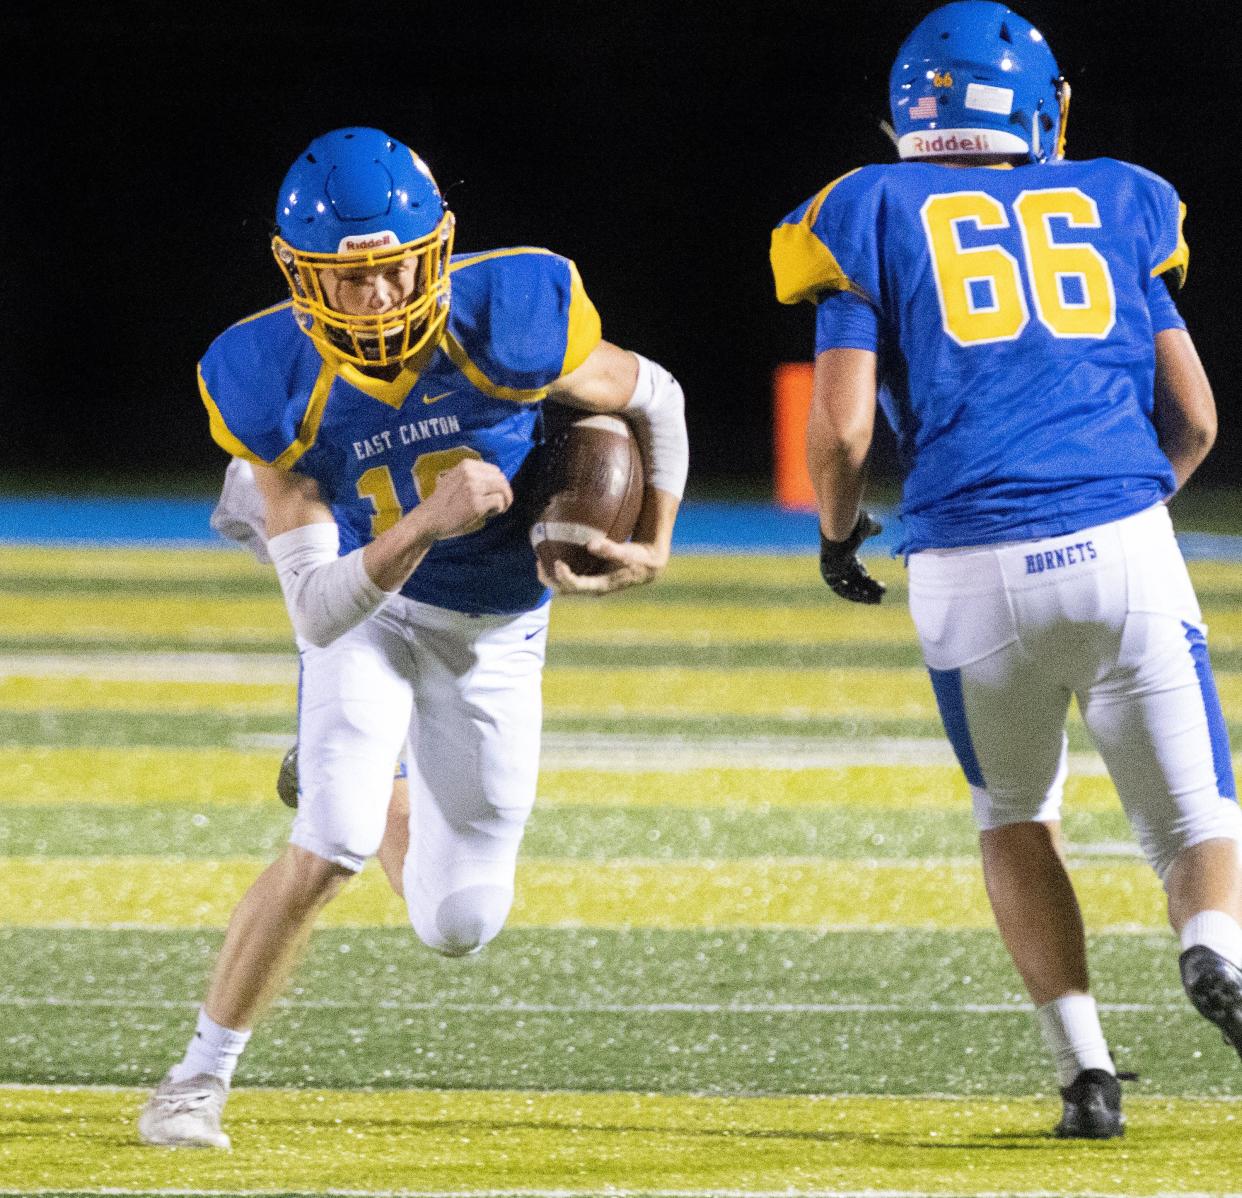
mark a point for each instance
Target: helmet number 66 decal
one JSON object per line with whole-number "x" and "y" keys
{"x": 982, "y": 299}
{"x": 376, "y": 485}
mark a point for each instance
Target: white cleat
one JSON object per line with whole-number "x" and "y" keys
{"x": 185, "y": 1114}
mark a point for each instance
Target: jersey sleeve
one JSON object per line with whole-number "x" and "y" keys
{"x": 844, "y": 320}
{"x": 1165, "y": 216}
{"x": 825, "y": 243}
{"x": 1164, "y": 313}
{"x": 241, "y": 390}
{"x": 245, "y": 384}
{"x": 519, "y": 320}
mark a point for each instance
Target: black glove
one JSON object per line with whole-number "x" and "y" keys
{"x": 841, "y": 569}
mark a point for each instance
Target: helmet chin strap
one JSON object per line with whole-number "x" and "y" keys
{"x": 1063, "y": 96}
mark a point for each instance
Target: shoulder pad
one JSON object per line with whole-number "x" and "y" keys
{"x": 519, "y": 319}
{"x": 810, "y": 247}
{"x": 1162, "y": 213}
{"x": 257, "y": 380}
{"x": 1167, "y": 215}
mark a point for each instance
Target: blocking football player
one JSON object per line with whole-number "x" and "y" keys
{"x": 386, "y": 408}
{"x": 1010, "y": 312}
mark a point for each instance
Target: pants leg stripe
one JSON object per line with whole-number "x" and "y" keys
{"x": 1217, "y": 730}
{"x": 948, "y": 687}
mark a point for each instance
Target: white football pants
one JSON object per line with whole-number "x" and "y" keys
{"x": 1108, "y": 614}
{"x": 464, "y": 693}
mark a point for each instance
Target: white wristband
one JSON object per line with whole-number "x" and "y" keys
{"x": 326, "y": 595}
{"x": 657, "y": 414}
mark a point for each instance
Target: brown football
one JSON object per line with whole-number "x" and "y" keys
{"x": 593, "y": 474}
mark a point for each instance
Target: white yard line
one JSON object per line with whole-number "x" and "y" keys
{"x": 112, "y": 666}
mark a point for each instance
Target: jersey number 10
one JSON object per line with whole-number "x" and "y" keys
{"x": 982, "y": 299}
{"x": 376, "y": 485}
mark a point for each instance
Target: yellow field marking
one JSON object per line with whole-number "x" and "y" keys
{"x": 210, "y": 621}
{"x": 108, "y": 561}
{"x": 750, "y": 892}
{"x": 701, "y": 625}
{"x": 206, "y": 621}
{"x": 139, "y": 774}
{"x": 577, "y": 691}
{"x": 584, "y": 1144}
{"x": 40, "y": 776}
{"x": 793, "y": 695}
{"x": 881, "y": 787}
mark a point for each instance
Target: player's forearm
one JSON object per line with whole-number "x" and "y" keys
{"x": 836, "y": 453}
{"x": 838, "y": 435}
{"x": 656, "y": 520}
{"x": 394, "y": 555}
{"x": 837, "y": 477}
{"x": 1186, "y": 451}
{"x": 1185, "y": 409}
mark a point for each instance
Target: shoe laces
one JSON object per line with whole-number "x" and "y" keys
{"x": 185, "y": 1101}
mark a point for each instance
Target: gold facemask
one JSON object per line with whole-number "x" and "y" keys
{"x": 388, "y": 338}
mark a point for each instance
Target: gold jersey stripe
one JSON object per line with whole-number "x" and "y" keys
{"x": 803, "y": 267}
{"x": 308, "y": 427}
{"x": 462, "y": 360}
{"x": 1178, "y": 262}
{"x": 583, "y": 332}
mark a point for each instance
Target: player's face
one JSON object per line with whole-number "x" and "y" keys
{"x": 370, "y": 290}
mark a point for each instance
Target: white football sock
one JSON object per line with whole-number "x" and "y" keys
{"x": 1215, "y": 930}
{"x": 214, "y": 1049}
{"x": 1072, "y": 1032}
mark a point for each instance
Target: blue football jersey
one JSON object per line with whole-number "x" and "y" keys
{"x": 518, "y": 320}
{"x": 1013, "y": 312}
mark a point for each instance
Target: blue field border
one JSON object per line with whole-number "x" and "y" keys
{"x": 701, "y": 527}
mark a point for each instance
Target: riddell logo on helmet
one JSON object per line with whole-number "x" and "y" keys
{"x": 371, "y": 241}
{"x": 952, "y": 144}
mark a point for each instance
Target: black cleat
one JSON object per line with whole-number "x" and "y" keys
{"x": 1092, "y": 1108}
{"x": 287, "y": 779}
{"x": 1214, "y": 986}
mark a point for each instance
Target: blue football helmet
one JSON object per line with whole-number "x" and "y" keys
{"x": 973, "y": 79}
{"x": 360, "y": 203}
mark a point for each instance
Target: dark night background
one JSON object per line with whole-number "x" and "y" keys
{"x": 655, "y": 143}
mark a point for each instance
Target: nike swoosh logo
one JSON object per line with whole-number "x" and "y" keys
{"x": 531, "y": 635}
{"x": 436, "y": 398}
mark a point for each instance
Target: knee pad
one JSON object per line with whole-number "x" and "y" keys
{"x": 1220, "y": 821}
{"x": 464, "y": 921}
{"x": 996, "y": 811}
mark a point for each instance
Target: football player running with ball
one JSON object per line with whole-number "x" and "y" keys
{"x": 1010, "y": 312}
{"x": 386, "y": 408}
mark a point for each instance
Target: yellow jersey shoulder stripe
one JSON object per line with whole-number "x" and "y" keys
{"x": 266, "y": 312}
{"x": 308, "y": 426}
{"x": 458, "y": 356}
{"x": 803, "y": 266}
{"x": 489, "y": 255}
{"x": 1178, "y": 262}
{"x": 585, "y": 331}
